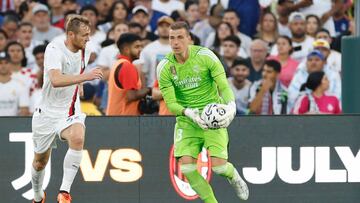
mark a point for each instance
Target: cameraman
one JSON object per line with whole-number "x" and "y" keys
{"x": 125, "y": 88}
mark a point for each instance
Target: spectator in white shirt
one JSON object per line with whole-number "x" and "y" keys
{"x": 302, "y": 44}
{"x": 167, "y": 6}
{"x": 14, "y": 100}
{"x": 43, "y": 30}
{"x": 154, "y": 52}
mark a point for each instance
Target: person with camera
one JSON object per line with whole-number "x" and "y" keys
{"x": 268, "y": 96}
{"x": 125, "y": 87}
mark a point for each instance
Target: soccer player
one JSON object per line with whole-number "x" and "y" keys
{"x": 190, "y": 78}
{"x": 59, "y": 114}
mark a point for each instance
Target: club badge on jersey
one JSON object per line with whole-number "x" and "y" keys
{"x": 173, "y": 71}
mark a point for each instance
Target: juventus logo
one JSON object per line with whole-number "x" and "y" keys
{"x": 25, "y": 179}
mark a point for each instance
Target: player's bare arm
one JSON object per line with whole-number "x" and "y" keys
{"x": 60, "y": 80}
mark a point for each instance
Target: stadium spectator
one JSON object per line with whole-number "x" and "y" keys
{"x": 313, "y": 98}
{"x": 57, "y": 13}
{"x": 10, "y": 25}
{"x": 14, "y": 100}
{"x": 17, "y": 64}
{"x": 233, "y": 18}
{"x": 157, "y": 96}
{"x": 167, "y": 6}
{"x": 141, "y": 15}
{"x": 268, "y": 29}
{"x": 342, "y": 22}
{"x": 315, "y": 62}
{"x": 96, "y": 36}
{"x": 3, "y": 40}
{"x": 268, "y": 96}
{"x": 118, "y": 13}
{"x": 288, "y": 64}
{"x": 240, "y": 85}
{"x": 25, "y": 34}
{"x": 313, "y": 25}
{"x": 36, "y": 95}
{"x": 108, "y": 54}
{"x": 154, "y": 52}
{"x": 333, "y": 58}
{"x": 154, "y": 14}
{"x": 324, "y": 10}
{"x": 86, "y": 101}
{"x": 103, "y": 7}
{"x": 256, "y": 61}
{"x": 202, "y": 28}
{"x": 215, "y": 39}
{"x": 230, "y": 48}
{"x": 43, "y": 30}
{"x": 125, "y": 88}
{"x": 192, "y": 12}
{"x": 249, "y": 13}
{"x": 282, "y": 9}
{"x": 70, "y": 5}
{"x": 302, "y": 44}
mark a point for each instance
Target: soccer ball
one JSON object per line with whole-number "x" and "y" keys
{"x": 211, "y": 114}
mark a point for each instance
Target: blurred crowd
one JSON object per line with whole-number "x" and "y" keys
{"x": 280, "y": 56}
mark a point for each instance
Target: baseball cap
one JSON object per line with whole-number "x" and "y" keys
{"x": 316, "y": 53}
{"x": 296, "y": 16}
{"x": 4, "y": 56}
{"x": 165, "y": 19}
{"x": 40, "y": 7}
{"x": 140, "y": 8}
{"x": 321, "y": 43}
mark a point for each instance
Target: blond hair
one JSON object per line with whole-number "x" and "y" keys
{"x": 74, "y": 21}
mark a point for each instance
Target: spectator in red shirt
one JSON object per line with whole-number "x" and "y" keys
{"x": 125, "y": 88}
{"x": 313, "y": 99}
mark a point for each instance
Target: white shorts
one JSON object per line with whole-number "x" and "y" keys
{"x": 47, "y": 129}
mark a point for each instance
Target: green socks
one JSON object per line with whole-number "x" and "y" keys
{"x": 226, "y": 170}
{"x": 198, "y": 183}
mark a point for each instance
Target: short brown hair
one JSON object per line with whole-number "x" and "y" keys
{"x": 74, "y": 21}
{"x": 180, "y": 25}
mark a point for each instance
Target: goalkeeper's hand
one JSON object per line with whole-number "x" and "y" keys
{"x": 230, "y": 112}
{"x": 194, "y": 115}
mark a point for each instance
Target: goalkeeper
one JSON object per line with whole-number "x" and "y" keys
{"x": 190, "y": 78}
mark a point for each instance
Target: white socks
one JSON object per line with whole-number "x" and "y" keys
{"x": 71, "y": 166}
{"x": 37, "y": 179}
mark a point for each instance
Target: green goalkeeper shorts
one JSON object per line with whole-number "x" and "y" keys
{"x": 190, "y": 139}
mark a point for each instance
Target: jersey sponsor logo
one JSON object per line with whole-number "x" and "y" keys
{"x": 25, "y": 179}
{"x": 313, "y": 161}
{"x": 178, "y": 180}
{"x": 191, "y": 82}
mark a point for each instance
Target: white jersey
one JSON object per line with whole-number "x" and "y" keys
{"x": 62, "y": 101}
{"x": 13, "y": 96}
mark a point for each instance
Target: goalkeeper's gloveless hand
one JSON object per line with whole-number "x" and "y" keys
{"x": 194, "y": 115}
{"x": 230, "y": 112}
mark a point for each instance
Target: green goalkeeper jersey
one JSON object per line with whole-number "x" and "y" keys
{"x": 199, "y": 81}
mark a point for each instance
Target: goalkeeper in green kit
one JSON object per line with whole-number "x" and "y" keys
{"x": 190, "y": 78}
